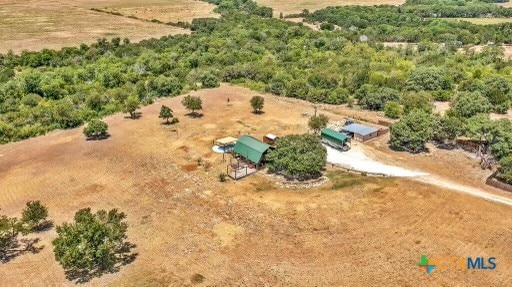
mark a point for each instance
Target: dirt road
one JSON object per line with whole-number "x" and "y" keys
{"x": 432, "y": 179}
{"x": 356, "y": 159}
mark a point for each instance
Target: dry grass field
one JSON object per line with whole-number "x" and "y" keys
{"x": 482, "y": 21}
{"x": 162, "y": 10}
{"x": 38, "y": 24}
{"x": 292, "y": 7}
{"x": 352, "y": 231}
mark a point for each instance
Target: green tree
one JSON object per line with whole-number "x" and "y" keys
{"x": 193, "y": 104}
{"x": 498, "y": 90}
{"x": 417, "y": 101}
{"x": 318, "y": 122}
{"x": 165, "y": 113}
{"x": 427, "y": 79}
{"x": 299, "y": 157}
{"x": 96, "y": 129}
{"x": 393, "y": 110}
{"x": 131, "y": 105}
{"x": 447, "y": 129}
{"x": 257, "y": 103}
{"x": 35, "y": 215}
{"x": 505, "y": 170}
{"x": 93, "y": 244}
{"x": 412, "y": 132}
{"x": 467, "y": 105}
{"x": 10, "y": 228}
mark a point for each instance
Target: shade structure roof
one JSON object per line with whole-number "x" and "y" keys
{"x": 359, "y": 129}
{"x": 271, "y": 136}
{"x": 251, "y": 148}
{"x": 226, "y": 141}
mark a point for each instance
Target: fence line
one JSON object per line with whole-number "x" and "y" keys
{"x": 492, "y": 181}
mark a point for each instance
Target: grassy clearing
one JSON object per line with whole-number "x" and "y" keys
{"x": 346, "y": 180}
{"x": 291, "y": 7}
{"x": 482, "y": 21}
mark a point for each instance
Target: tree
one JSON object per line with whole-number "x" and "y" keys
{"x": 374, "y": 98}
{"x": 96, "y": 129}
{"x": 412, "y": 132}
{"x": 467, "y": 105}
{"x": 257, "y": 104}
{"x": 10, "y": 228}
{"x": 317, "y": 123}
{"x": 93, "y": 244}
{"x": 166, "y": 113}
{"x": 416, "y": 101}
{"x": 299, "y": 157}
{"x": 498, "y": 91}
{"x": 505, "y": 170}
{"x": 35, "y": 215}
{"x": 448, "y": 129}
{"x": 393, "y": 110}
{"x": 192, "y": 103}
{"x": 427, "y": 79}
{"x": 131, "y": 105}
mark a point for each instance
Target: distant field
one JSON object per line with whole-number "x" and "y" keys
{"x": 290, "y": 7}
{"x": 162, "y": 10}
{"x": 38, "y": 24}
{"x": 483, "y": 21}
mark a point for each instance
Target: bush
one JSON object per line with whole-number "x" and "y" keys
{"x": 174, "y": 121}
{"x": 393, "y": 110}
{"x": 299, "y": 157}
{"x": 35, "y": 215}
{"x": 96, "y": 129}
{"x": 505, "y": 170}
{"x": 257, "y": 103}
{"x": 222, "y": 177}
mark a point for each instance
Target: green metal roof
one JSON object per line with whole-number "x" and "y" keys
{"x": 334, "y": 134}
{"x": 251, "y": 148}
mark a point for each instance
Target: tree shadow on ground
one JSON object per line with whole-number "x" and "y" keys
{"x": 194, "y": 115}
{"x": 135, "y": 116}
{"x": 44, "y": 226}
{"x": 258, "y": 112}
{"x": 122, "y": 257}
{"x": 98, "y": 137}
{"x": 446, "y": 146}
{"x": 19, "y": 247}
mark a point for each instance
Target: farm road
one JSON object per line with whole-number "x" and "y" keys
{"x": 355, "y": 159}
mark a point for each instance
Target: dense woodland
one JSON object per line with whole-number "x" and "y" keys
{"x": 46, "y": 90}
{"x": 419, "y": 20}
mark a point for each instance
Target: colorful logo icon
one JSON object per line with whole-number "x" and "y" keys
{"x": 425, "y": 264}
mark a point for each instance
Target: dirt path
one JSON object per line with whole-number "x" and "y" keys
{"x": 356, "y": 159}
{"x": 434, "y": 180}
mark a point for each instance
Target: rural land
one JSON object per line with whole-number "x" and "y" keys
{"x": 256, "y": 143}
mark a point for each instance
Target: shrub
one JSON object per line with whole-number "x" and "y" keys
{"x": 96, "y": 129}
{"x": 505, "y": 170}
{"x": 222, "y": 177}
{"x": 393, "y": 110}
{"x": 34, "y": 215}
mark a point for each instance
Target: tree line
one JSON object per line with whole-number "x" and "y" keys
{"x": 417, "y": 21}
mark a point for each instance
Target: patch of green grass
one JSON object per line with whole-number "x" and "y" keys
{"x": 343, "y": 180}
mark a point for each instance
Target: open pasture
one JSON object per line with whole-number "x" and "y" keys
{"x": 352, "y": 231}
